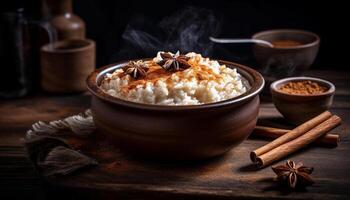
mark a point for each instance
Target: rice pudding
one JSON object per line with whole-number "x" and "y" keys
{"x": 174, "y": 79}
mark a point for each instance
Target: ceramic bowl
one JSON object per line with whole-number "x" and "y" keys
{"x": 281, "y": 62}
{"x": 66, "y": 64}
{"x": 297, "y": 108}
{"x": 176, "y": 132}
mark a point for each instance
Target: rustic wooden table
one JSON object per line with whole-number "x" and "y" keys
{"x": 118, "y": 175}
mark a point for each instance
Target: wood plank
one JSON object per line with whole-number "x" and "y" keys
{"x": 221, "y": 177}
{"x": 18, "y": 180}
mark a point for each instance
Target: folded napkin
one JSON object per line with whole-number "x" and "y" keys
{"x": 52, "y": 155}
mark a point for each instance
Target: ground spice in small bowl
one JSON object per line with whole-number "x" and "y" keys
{"x": 303, "y": 87}
{"x": 285, "y": 43}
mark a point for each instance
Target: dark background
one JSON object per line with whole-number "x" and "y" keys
{"x": 106, "y": 22}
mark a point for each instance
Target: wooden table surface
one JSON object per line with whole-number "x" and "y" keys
{"x": 119, "y": 175}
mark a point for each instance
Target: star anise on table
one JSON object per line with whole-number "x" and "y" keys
{"x": 136, "y": 69}
{"x": 174, "y": 62}
{"x": 294, "y": 174}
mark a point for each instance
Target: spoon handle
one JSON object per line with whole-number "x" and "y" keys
{"x": 228, "y": 40}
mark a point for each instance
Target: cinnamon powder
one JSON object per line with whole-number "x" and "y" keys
{"x": 286, "y": 43}
{"x": 303, "y": 87}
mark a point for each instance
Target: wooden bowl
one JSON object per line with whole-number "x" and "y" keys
{"x": 297, "y": 108}
{"x": 281, "y": 62}
{"x": 66, "y": 64}
{"x": 176, "y": 132}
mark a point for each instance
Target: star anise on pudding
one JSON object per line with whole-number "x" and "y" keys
{"x": 136, "y": 69}
{"x": 174, "y": 62}
{"x": 294, "y": 174}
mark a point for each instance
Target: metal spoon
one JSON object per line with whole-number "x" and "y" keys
{"x": 228, "y": 40}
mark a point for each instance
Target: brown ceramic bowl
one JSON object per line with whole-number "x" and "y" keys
{"x": 285, "y": 61}
{"x": 176, "y": 132}
{"x": 65, "y": 65}
{"x": 298, "y": 108}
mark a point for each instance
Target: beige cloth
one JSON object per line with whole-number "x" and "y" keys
{"x": 50, "y": 154}
{"x": 81, "y": 124}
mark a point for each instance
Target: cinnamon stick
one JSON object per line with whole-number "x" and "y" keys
{"x": 329, "y": 140}
{"x": 298, "y": 143}
{"x": 291, "y": 135}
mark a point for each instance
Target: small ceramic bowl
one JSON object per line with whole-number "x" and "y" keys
{"x": 297, "y": 108}
{"x": 66, "y": 64}
{"x": 285, "y": 61}
{"x": 176, "y": 132}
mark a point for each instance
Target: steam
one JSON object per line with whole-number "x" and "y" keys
{"x": 186, "y": 30}
{"x": 280, "y": 66}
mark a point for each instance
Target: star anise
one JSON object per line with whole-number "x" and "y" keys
{"x": 174, "y": 62}
{"x": 294, "y": 174}
{"x": 136, "y": 69}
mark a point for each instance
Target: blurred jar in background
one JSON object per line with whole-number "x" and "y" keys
{"x": 20, "y": 41}
{"x": 66, "y": 23}
{"x": 16, "y": 79}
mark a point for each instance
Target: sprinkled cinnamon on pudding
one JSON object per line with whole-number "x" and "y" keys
{"x": 174, "y": 79}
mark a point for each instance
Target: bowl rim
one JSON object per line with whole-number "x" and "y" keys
{"x": 255, "y": 89}
{"x": 297, "y": 31}
{"x": 275, "y": 84}
{"x": 47, "y": 48}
